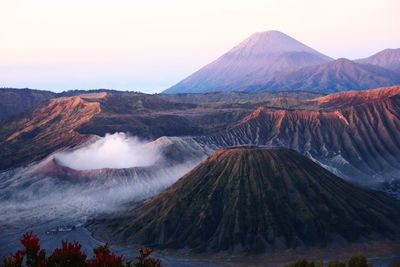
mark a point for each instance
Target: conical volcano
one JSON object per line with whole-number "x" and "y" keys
{"x": 254, "y": 199}
{"x": 250, "y": 62}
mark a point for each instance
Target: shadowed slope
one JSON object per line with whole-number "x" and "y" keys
{"x": 17, "y": 101}
{"x": 388, "y": 59}
{"x": 252, "y": 199}
{"x": 338, "y": 75}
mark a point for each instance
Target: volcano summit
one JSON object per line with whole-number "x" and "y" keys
{"x": 254, "y": 199}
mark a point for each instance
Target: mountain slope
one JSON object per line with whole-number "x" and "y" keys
{"x": 252, "y": 199}
{"x": 355, "y": 134}
{"x": 51, "y": 126}
{"x": 66, "y": 121}
{"x": 334, "y": 76}
{"x": 360, "y": 141}
{"x": 259, "y": 55}
{"x": 388, "y": 58}
{"x": 17, "y": 101}
{"x": 352, "y": 98}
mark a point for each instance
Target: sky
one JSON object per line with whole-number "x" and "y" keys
{"x": 149, "y": 45}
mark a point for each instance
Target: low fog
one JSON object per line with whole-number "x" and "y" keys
{"x": 112, "y": 151}
{"x": 48, "y": 198}
{"x": 29, "y": 197}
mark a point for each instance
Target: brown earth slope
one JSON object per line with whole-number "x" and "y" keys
{"x": 252, "y": 199}
{"x": 357, "y": 135}
{"x": 153, "y": 116}
{"x": 51, "y": 126}
{"x": 354, "y": 133}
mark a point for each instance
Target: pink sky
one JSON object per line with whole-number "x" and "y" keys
{"x": 150, "y": 45}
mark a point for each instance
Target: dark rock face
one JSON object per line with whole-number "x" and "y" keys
{"x": 153, "y": 116}
{"x": 253, "y": 199}
{"x": 17, "y": 101}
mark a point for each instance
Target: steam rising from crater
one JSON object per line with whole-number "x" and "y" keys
{"x": 116, "y": 150}
{"x": 51, "y": 196}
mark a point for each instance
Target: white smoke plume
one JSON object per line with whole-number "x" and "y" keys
{"x": 112, "y": 151}
{"x": 26, "y": 197}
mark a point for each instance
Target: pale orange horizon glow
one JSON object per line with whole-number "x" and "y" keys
{"x": 150, "y": 45}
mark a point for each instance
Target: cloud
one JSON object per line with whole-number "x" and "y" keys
{"x": 116, "y": 150}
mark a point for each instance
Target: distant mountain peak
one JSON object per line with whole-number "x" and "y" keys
{"x": 261, "y": 54}
{"x": 343, "y": 60}
{"x": 272, "y": 35}
{"x": 267, "y": 36}
{"x": 390, "y": 50}
{"x": 388, "y": 58}
{"x": 270, "y": 42}
{"x": 338, "y": 75}
{"x": 270, "y": 32}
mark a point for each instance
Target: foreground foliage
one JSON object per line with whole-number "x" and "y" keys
{"x": 70, "y": 254}
{"x": 354, "y": 261}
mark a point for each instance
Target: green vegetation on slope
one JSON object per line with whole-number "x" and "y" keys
{"x": 253, "y": 199}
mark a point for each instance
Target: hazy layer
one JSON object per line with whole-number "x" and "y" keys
{"x": 27, "y": 194}
{"x": 38, "y": 199}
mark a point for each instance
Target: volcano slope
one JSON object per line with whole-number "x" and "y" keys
{"x": 49, "y": 127}
{"x": 77, "y": 116}
{"x": 355, "y": 134}
{"x": 254, "y": 199}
